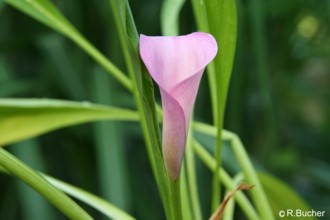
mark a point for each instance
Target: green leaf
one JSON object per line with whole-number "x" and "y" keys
{"x": 226, "y": 180}
{"x": 222, "y": 20}
{"x": 25, "y": 118}
{"x": 143, "y": 91}
{"x": 67, "y": 206}
{"x": 169, "y": 16}
{"x": 96, "y": 202}
{"x": 45, "y": 12}
{"x": 219, "y": 18}
{"x": 32, "y": 204}
{"x": 222, "y": 23}
{"x": 200, "y": 15}
{"x": 281, "y": 196}
{"x": 246, "y": 166}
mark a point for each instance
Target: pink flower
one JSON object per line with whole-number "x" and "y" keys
{"x": 177, "y": 64}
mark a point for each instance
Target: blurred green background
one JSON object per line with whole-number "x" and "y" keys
{"x": 279, "y": 102}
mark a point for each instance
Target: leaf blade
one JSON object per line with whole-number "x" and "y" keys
{"x": 143, "y": 91}
{"x": 45, "y": 12}
{"x": 90, "y": 199}
{"x": 25, "y": 118}
{"x": 281, "y": 195}
{"x": 222, "y": 21}
{"x": 96, "y": 202}
{"x": 67, "y": 206}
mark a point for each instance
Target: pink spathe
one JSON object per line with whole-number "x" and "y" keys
{"x": 177, "y": 63}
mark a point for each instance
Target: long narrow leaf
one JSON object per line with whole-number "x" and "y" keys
{"x": 33, "y": 205}
{"x": 67, "y": 206}
{"x": 241, "y": 199}
{"x": 94, "y": 201}
{"x": 219, "y": 18}
{"x": 259, "y": 196}
{"x": 25, "y": 118}
{"x": 98, "y": 203}
{"x": 45, "y": 12}
{"x": 222, "y": 20}
{"x": 144, "y": 94}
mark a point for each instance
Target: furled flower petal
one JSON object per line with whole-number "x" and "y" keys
{"x": 177, "y": 64}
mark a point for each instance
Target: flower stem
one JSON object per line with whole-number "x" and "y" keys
{"x": 175, "y": 199}
{"x": 216, "y": 189}
{"x": 143, "y": 101}
{"x": 226, "y": 180}
{"x": 187, "y": 212}
{"x": 191, "y": 177}
{"x": 258, "y": 194}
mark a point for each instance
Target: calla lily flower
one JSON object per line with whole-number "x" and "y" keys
{"x": 176, "y": 63}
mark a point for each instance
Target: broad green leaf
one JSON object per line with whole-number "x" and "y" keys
{"x": 67, "y": 206}
{"x": 45, "y": 12}
{"x": 281, "y": 196}
{"x": 169, "y": 17}
{"x": 25, "y": 118}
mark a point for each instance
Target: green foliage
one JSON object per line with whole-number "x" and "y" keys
{"x": 288, "y": 91}
{"x": 53, "y": 195}
{"x": 281, "y": 196}
{"x": 98, "y": 203}
{"x": 143, "y": 92}
{"x": 169, "y": 17}
{"x": 45, "y": 12}
{"x": 26, "y": 118}
{"x": 222, "y": 22}
{"x": 32, "y": 203}
{"x": 220, "y": 19}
